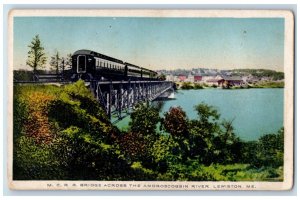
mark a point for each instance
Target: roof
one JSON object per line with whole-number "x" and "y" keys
{"x": 99, "y": 55}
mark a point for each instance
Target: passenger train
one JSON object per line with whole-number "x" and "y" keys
{"x": 90, "y": 65}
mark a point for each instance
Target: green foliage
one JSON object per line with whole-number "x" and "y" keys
{"x": 187, "y": 86}
{"x": 269, "y": 84}
{"x": 270, "y": 149}
{"x": 212, "y": 141}
{"x": 23, "y": 75}
{"x": 61, "y": 133}
{"x": 260, "y": 73}
{"x": 198, "y": 86}
{"x": 78, "y": 89}
{"x": 144, "y": 119}
{"x": 195, "y": 171}
{"x": 137, "y": 143}
{"x": 84, "y": 157}
{"x": 165, "y": 153}
{"x": 206, "y": 113}
{"x": 81, "y": 144}
{"x": 33, "y": 161}
{"x": 143, "y": 173}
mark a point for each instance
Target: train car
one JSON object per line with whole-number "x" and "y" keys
{"x": 90, "y": 65}
{"x": 147, "y": 73}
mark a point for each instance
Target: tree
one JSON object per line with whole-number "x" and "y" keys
{"x": 36, "y": 55}
{"x": 144, "y": 119}
{"x": 270, "y": 149}
{"x": 203, "y": 132}
{"x": 56, "y": 62}
{"x": 68, "y": 60}
{"x": 176, "y": 122}
{"x": 138, "y": 142}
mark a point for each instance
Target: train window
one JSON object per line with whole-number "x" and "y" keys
{"x": 81, "y": 64}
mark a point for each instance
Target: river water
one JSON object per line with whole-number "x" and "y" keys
{"x": 254, "y": 112}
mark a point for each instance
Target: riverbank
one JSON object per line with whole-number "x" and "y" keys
{"x": 197, "y": 86}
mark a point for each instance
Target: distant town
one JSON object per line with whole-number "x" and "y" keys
{"x": 199, "y": 78}
{"x": 224, "y": 78}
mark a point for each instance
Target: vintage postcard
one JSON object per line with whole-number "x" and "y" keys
{"x": 151, "y": 99}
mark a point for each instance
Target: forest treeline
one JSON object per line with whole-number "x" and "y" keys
{"x": 62, "y": 133}
{"x": 259, "y": 73}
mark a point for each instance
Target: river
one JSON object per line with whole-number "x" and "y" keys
{"x": 254, "y": 112}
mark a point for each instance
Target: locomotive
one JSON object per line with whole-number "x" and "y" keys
{"x": 90, "y": 65}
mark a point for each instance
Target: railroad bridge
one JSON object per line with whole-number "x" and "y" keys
{"x": 117, "y": 97}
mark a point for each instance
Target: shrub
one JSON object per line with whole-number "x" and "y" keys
{"x": 187, "y": 86}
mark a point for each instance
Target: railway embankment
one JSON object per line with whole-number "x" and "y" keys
{"x": 63, "y": 133}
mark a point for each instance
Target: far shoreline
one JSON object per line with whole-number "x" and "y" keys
{"x": 259, "y": 85}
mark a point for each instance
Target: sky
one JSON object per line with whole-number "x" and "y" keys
{"x": 159, "y": 43}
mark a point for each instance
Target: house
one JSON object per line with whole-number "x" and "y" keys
{"x": 182, "y": 78}
{"x": 197, "y": 78}
{"x": 229, "y": 81}
{"x": 190, "y": 78}
{"x": 212, "y": 82}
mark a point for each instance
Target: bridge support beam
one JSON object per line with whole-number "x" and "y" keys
{"x": 118, "y": 96}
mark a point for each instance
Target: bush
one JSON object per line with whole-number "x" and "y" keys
{"x": 64, "y": 134}
{"x": 187, "y": 86}
{"x": 198, "y": 86}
